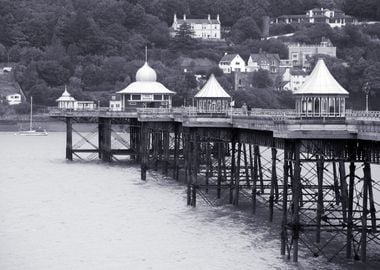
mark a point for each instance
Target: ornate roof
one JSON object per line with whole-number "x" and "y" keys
{"x": 146, "y": 83}
{"x": 66, "y": 96}
{"x": 321, "y": 82}
{"x": 212, "y": 89}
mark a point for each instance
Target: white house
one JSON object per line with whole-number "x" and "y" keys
{"x": 209, "y": 29}
{"x": 13, "y": 99}
{"x": 293, "y": 79}
{"x": 232, "y": 63}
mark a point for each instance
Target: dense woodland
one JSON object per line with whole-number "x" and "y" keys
{"x": 95, "y": 46}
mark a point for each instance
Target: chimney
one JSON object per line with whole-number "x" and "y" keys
{"x": 175, "y": 18}
{"x": 225, "y": 53}
{"x": 184, "y": 17}
{"x": 208, "y": 17}
{"x": 217, "y": 18}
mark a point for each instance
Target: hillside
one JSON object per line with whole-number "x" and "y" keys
{"x": 95, "y": 46}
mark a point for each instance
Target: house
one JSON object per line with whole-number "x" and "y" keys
{"x": 208, "y": 29}
{"x": 146, "y": 92}
{"x": 299, "y": 53}
{"x": 265, "y": 61}
{"x": 231, "y": 63}
{"x": 333, "y": 17}
{"x": 14, "y": 99}
{"x": 293, "y": 79}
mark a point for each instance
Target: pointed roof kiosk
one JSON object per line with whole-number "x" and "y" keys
{"x": 321, "y": 95}
{"x": 66, "y": 101}
{"x": 212, "y": 97}
{"x": 146, "y": 92}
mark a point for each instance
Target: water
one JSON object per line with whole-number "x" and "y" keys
{"x": 89, "y": 215}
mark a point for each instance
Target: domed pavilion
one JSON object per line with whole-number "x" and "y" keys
{"x": 66, "y": 101}
{"x": 146, "y": 92}
{"x": 212, "y": 97}
{"x": 321, "y": 95}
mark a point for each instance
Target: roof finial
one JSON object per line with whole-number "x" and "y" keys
{"x": 146, "y": 54}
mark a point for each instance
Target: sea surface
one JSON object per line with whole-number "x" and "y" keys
{"x": 56, "y": 214}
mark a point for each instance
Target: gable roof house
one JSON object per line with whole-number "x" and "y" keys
{"x": 265, "y": 61}
{"x": 232, "y": 63}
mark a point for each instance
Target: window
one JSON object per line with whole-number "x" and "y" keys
{"x": 157, "y": 97}
{"x": 136, "y": 97}
{"x": 166, "y": 97}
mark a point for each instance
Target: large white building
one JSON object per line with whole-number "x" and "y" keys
{"x": 293, "y": 79}
{"x": 209, "y": 29}
{"x": 333, "y": 17}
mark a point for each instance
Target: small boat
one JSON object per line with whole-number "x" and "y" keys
{"x": 32, "y": 132}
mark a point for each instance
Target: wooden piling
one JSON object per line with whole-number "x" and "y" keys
{"x": 296, "y": 200}
{"x": 284, "y": 222}
{"x": 349, "y": 239}
{"x": 69, "y": 138}
{"x": 366, "y": 180}
{"x": 237, "y": 176}
{"x": 320, "y": 167}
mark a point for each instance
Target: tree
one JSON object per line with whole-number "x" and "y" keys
{"x": 261, "y": 79}
{"x": 245, "y": 28}
{"x": 184, "y": 37}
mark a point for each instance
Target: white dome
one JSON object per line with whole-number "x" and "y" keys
{"x": 146, "y": 74}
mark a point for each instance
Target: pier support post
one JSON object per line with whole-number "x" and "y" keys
{"x": 232, "y": 176}
{"x": 254, "y": 174}
{"x": 320, "y": 197}
{"x": 237, "y": 176}
{"x": 273, "y": 184}
{"x": 219, "y": 180}
{"x": 176, "y": 151}
{"x": 366, "y": 181}
{"x": 350, "y": 210}
{"x": 284, "y": 222}
{"x": 69, "y": 138}
{"x": 166, "y": 146}
{"x": 107, "y": 140}
{"x": 144, "y": 150}
{"x": 296, "y": 199}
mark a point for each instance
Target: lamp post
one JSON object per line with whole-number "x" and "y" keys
{"x": 366, "y": 90}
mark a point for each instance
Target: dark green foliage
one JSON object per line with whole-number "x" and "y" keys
{"x": 261, "y": 79}
{"x": 96, "y": 46}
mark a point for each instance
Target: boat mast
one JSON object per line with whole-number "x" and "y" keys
{"x": 31, "y": 111}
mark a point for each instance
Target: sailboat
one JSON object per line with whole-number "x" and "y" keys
{"x": 31, "y": 131}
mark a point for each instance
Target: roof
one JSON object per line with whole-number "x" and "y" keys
{"x": 66, "y": 96}
{"x": 212, "y": 89}
{"x": 142, "y": 87}
{"x": 321, "y": 82}
{"x": 228, "y": 57}
{"x": 197, "y": 21}
{"x": 257, "y": 57}
{"x": 298, "y": 72}
{"x": 146, "y": 83}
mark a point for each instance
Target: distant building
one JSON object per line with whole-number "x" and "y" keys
{"x": 293, "y": 79}
{"x": 333, "y": 17}
{"x": 146, "y": 92}
{"x": 67, "y": 102}
{"x": 209, "y": 29}
{"x": 13, "y": 99}
{"x": 231, "y": 63}
{"x": 299, "y": 53}
{"x": 115, "y": 104}
{"x": 265, "y": 61}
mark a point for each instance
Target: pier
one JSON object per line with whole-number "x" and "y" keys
{"x": 315, "y": 172}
